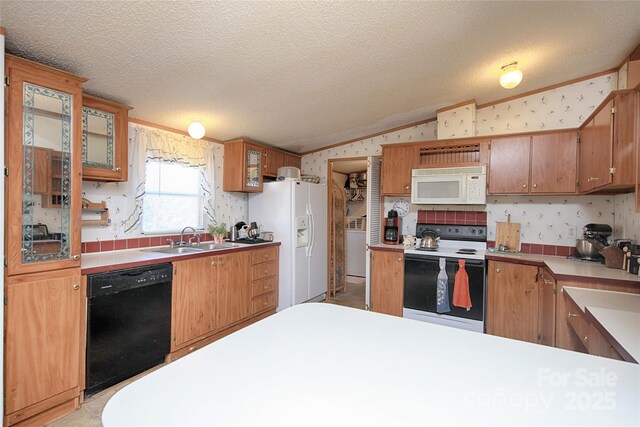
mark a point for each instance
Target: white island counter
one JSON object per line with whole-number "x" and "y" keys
{"x": 321, "y": 364}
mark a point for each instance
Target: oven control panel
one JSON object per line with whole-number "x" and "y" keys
{"x": 474, "y": 233}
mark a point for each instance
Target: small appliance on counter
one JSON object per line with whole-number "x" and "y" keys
{"x": 392, "y": 226}
{"x": 595, "y": 239}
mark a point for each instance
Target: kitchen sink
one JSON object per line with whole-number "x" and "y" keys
{"x": 176, "y": 250}
{"x": 215, "y": 246}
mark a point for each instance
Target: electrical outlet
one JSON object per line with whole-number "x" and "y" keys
{"x": 572, "y": 232}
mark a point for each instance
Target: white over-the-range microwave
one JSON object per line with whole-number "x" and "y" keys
{"x": 449, "y": 186}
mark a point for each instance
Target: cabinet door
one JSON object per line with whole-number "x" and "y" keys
{"x": 586, "y": 158}
{"x": 274, "y": 160}
{"x": 397, "y": 164}
{"x": 553, "y": 163}
{"x": 44, "y": 110}
{"x": 44, "y": 313}
{"x": 602, "y": 148}
{"x": 291, "y": 160}
{"x": 387, "y": 282}
{"x": 253, "y": 158}
{"x": 509, "y": 165}
{"x": 104, "y": 140}
{"x": 547, "y": 309}
{"x": 624, "y": 141}
{"x": 232, "y": 288}
{"x": 512, "y": 301}
{"x": 193, "y": 300}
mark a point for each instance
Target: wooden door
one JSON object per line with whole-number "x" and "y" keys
{"x": 387, "y": 282}
{"x": 512, "y": 301}
{"x": 44, "y": 314}
{"x": 253, "y": 168}
{"x": 193, "y": 301}
{"x": 624, "y": 141}
{"x": 273, "y": 160}
{"x": 509, "y": 165}
{"x": 554, "y": 163}
{"x": 233, "y": 300}
{"x": 547, "y": 309}
{"x": 600, "y": 174}
{"x": 397, "y": 164}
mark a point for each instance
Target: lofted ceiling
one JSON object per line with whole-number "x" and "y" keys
{"x": 302, "y": 75}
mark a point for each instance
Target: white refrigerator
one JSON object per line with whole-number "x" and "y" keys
{"x": 296, "y": 212}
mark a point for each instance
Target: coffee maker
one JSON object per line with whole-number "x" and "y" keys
{"x": 392, "y": 226}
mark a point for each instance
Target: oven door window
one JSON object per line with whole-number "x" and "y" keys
{"x": 420, "y": 280}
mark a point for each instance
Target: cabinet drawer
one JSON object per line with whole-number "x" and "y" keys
{"x": 260, "y": 271}
{"x": 263, "y": 302}
{"x": 263, "y": 255}
{"x": 263, "y": 286}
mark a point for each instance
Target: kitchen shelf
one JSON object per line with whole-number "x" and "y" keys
{"x": 100, "y": 208}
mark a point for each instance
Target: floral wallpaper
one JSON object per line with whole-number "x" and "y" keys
{"x": 553, "y": 220}
{"x": 457, "y": 123}
{"x": 316, "y": 163}
{"x": 563, "y": 107}
{"x": 228, "y": 206}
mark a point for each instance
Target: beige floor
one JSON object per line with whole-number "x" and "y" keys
{"x": 353, "y": 297}
{"x": 90, "y": 413}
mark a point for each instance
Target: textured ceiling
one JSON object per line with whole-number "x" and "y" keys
{"x": 301, "y": 75}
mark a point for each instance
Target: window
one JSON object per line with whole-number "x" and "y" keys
{"x": 173, "y": 197}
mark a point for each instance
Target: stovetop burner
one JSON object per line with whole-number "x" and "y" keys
{"x": 427, "y": 249}
{"x": 466, "y": 251}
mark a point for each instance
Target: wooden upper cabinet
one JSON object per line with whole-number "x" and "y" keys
{"x": 397, "y": 164}
{"x": 513, "y": 301}
{"x": 509, "y": 165}
{"x": 291, "y": 160}
{"x": 44, "y": 341}
{"x": 243, "y": 166}
{"x": 274, "y": 159}
{"x": 387, "y": 282}
{"x": 608, "y": 145}
{"x": 554, "y": 163}
{"x": 104, "y": 140}
{"x": 43, "y": 156}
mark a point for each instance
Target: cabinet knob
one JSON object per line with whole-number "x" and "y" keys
{"x": 406, "y": 187}
{"x": 76, "y": 286}
{"x": 76, "y": 257}
{"x": 547, "y": 282}
{"x": 586, "y": 338}
{"x": 193, "y": 347}
{"x": 266, "y": 271}
{"x": 572, "y": 315}
{"x": 524, "y": 185}
{"x": 535, "y": 185}
{"x": 266, "y": 256}
{"x": 497, "y": 270}
{"x": 118, "y": 169}
{"x": 400, "y": 259}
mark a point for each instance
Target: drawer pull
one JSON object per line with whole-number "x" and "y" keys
{"x": 266, "y": 271}
{"x": 497, "y": 270}
{"x": 76, "y": 287}
{"x": 193, "y": 347}
{"x": 572, "y": 315}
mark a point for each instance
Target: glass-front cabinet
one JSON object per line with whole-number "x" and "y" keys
{"x": 243, "y": 164}
{"x": 104, "y": 139}
{"x": 43, "y": 161}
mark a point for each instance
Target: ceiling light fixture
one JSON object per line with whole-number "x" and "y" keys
{"x": 196, "y": 130}
{"x": 511, "y": 76}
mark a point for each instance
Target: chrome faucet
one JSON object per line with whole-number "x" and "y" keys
{"x": 182, "y": 242}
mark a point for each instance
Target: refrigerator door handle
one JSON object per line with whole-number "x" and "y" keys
{"x": 312, "y": 228}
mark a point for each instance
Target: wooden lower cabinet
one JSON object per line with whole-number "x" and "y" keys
{"x": 214, "y": 293}
{"x": 387, "y": 282}
{"x": 566, "y": 335}
{"x": 44, "y": 345}
{"x": 512, "y": 301}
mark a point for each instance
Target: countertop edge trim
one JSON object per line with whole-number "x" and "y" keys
{"x": 607, "y": 335}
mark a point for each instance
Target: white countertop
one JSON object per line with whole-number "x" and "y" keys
{"x": 616, "y": 312}
{"x": 321, "y": 364}
{"x": 565, "y": 267}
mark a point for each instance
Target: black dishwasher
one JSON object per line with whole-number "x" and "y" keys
{"x": 128, "y": 325}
